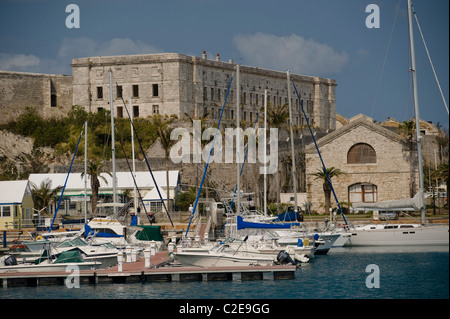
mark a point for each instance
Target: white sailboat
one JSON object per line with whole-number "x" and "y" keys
{"x": 403, "y": 234}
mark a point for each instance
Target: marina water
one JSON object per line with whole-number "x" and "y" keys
{"x": 403, "y": 273}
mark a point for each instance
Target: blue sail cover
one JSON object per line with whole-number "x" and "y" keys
{"x": 287, "y": 217}
{"x": 133, "y": 221}
{"x": 241, "y": 224}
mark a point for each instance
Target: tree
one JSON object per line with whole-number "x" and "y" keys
{"x": 277, "y": 117}
{"x": 94, "y": 170}
{"x": 167, "y": 143}
{"x": 44, "y": 195}
{"x": 320, "y": 174}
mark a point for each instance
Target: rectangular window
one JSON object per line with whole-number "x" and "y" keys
{"x": 119, "y": 91}
{"x": 212, "y": 94}
{"x": 6, "y": 211}
{"x": 99, "y": 92}
{"x": 135, "y": 90}
{"x": 135, "y": 110}
{"x": 155, "y": 90}
{"x": 205, "y": 96}
{"x": 155, "y": 109}
{"x": 53, "y": 101}
{"x": 120, "y": 112}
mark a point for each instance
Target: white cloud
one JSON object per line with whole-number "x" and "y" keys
{"x": 71, "y": 48}
{"x": 86, "y": 47}
{"x": 293, "y": 52}
{"x": 18, "y": 62}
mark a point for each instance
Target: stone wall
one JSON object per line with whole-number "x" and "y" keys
{"x": 50, "y": 95}
{"x": 391, "y": 173}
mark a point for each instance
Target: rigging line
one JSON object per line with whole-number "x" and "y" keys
{"x": 134, "y": 179}
{"x": 146, "y": 160}
{"x": 429, "y": 58}
{"x": 385, "y": 58}
{"x": 65, "y": 183}
{"x": 207, "y": 163}
{"x": 320, "y": 156}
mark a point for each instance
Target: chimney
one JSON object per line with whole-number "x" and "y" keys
{"x": 217, "y": 57}
{"x": 204, "y": 55}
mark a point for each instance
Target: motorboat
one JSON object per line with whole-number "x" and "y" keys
{"x": 221, "y": 256}
{"x": 66, "y": 260}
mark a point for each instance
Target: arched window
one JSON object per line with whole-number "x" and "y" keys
{"x": 361, "y": 153}
{"x": 363, "y": 193}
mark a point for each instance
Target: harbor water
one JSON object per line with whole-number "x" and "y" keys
{"x": 345, "y": 273}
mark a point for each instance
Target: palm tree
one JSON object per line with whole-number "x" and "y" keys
{"x": 167, "y": 143}
{"x": 320, "y": 174}
{"x": 44, "y": 195}
{"x": 94, "y": 170}
{"x": 277, "y": 117}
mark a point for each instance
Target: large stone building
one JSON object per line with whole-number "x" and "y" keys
{"x": 376, "y": 162}
{"x": 176, "y": 84}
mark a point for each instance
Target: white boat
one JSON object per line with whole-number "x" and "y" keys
{"x": 65, "y": 261}
{"x": 221, "y": 256}
{"x": 399, "y": 235}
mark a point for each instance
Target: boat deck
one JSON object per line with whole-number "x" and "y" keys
{"x": 160, "y": 271}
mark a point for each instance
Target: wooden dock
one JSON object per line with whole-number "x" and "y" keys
{"x": 160, "y": 271}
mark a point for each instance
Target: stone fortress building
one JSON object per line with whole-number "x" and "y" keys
{"x": 177, "y": 84}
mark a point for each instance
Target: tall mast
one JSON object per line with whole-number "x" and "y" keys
{"x": 416, "y": 104}
{"x": 238, "y": 140}
{"x": 294, "y": 170}
{"x": 265, "y": 153}
{"x": 113, "y": 142}
{"x": 134, "y": 163}
{"x": 85, "y": 171}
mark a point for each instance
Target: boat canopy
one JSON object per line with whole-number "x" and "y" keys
{"x": 149, "y": 233}
{"x": 407, "y": 204}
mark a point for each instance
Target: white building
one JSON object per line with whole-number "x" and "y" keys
{"x": 74, "y": 191}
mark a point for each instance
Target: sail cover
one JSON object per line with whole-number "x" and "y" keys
{"x": 407, "y": 204}
{"x": 241, "y": 224}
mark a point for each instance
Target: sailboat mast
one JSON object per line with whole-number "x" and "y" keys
{"x": 113, "y": 142}
{"x": 238, "y": 140}
{"x": 265, "y": 153}
{"x": 416, "y": 103}
{"x": 294, "y": 170}
{"x": 134, "y": 164}
{"x": 85, "y": 171}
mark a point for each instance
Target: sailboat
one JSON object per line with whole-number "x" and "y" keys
{"x": 402, "y": 234}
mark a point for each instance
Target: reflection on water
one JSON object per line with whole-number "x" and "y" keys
{"x": 391, "y": 249}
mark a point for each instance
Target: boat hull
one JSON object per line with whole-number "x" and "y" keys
{"x": 67, "y": 267}
{"x": 415, "y": 236}
{"x": 213, "y": 260}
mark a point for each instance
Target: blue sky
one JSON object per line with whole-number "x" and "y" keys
{"x": 328, "y": 38}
